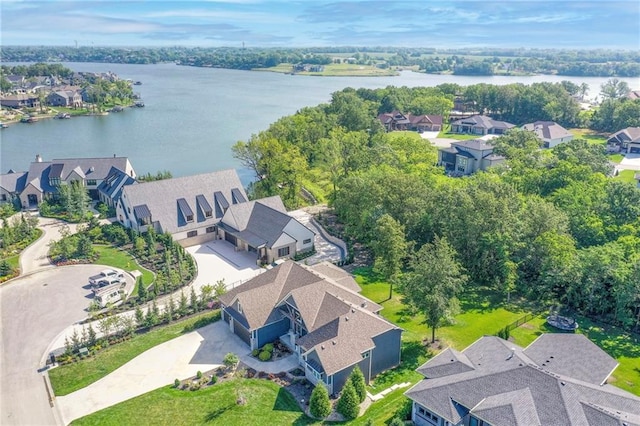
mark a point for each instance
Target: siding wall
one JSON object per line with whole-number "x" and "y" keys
{"x": 387, "y": 351}
{"x": 271, "y": 332}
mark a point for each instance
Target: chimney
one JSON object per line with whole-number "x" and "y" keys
{"x": 38, "y": 158}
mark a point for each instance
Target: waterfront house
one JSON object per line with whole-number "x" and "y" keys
{"x": 626, "y": 140}
{"x": 480, "y": 125}
{"x": 20, "y": 100}
{"x": 200, "y": 208}
{"x": 467, "y": 157}
{"x": 264, "y": 227}
{"x": 11, "y": 185}
{"x": 549, "y": 132}
{"x": 65, "y": 98}
{"x": 45, "y": 177}
{"x": 318, "y": 312}
{"x": 110, "y": 189}
{"x": 398, "y": 121}
{"x": 559, "y": 379}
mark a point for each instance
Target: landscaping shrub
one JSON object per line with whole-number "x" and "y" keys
{"x": 176, "y": 383}
{"x": 319, "y": 403}
{"x": 264, "y": 356}
{"x": 404, "y": 412}
{"x": 230, "y": 360}
{"x": 357, "y": 378}
{"x": 199, "y": 375}
{"x": 348, "y": 403}
{"x": 396, "y": 421}
{"x": 268, "y": 347}
{"x": 255, "y": 352}
{"x": 214, "y": 379}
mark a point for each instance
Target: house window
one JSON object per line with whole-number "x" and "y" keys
{"x": 307, "y": 241}
{"x": 208, "y": 213}
{"x": 192, "y": 234}
{"x": 211, "y": 229}
{"x": 3, "y": 197}
{"x": 283, "y": 252}
{"x": 365, "y": 354}
{"x": 54, "y": 181}
{"x": 190, "y": 218}
{"x": 91, "y": 182}
{"x": 239, "y": 308}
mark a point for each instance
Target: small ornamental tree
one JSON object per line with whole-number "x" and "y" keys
{"x": 348, "y": 404}
{"x": 357, "y": 378}
{"x": 142, "y": 290}
{"x": 319, "y": 403}
{"x": 230, "y": 360}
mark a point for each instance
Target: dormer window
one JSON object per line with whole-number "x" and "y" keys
{"x": 239, "y": 307}
{"x": 189, "y": 218}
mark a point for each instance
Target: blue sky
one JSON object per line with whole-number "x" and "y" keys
{"x": 276, "y": 23}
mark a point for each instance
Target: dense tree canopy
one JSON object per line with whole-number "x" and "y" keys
{"x": 551, "y": 225}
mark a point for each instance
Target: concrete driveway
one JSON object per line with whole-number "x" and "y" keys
{"x": 182, "y": 357}
{"x": 218, "y": 260}
{"x": 34, "y": 309}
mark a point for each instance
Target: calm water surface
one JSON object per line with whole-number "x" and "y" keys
{"x": 194, "y": 115}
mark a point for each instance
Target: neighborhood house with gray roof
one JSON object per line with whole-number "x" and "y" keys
{"x": 318, "y": 312}
{"x": 559, "y": 379}
{"x": 209, "y": 206}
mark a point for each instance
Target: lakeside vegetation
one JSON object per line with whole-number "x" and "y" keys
{"x": 471, "y": 61}
{"x": 549, "y": 225}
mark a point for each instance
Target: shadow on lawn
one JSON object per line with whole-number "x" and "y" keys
{"x": 214, "y": 414}
{"x": 285, "y": 402}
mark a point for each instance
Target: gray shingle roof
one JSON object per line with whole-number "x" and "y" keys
{"x": 112, "y": 185}
{"x": 162, "y": 197}
{"x": 483, "y": 121}
{"x": 630, "y": 134}
{"x": 476, "y": 144}
{"x": 141, "y": 211}
{"x": 506, "y": 387}
{"x": 91, "y": 168}
{"x": 13, "y": 182}
{"x": 547, "y": 130}
{"x": 260, "y": 222}
{"x": 572, "y": 355}
{"x": 323, "y": 304}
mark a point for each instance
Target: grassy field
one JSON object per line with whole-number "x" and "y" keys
{"x": 119, "y": 259}
{"x": 266, "y": 404}
{"x": 589, "y": 135}
{"x": 71, "y": 377}
{"x": 338, "y": 70}
{"x": 481, "y": 314}
{"x": 623, "y": 346}
{"x": 615, "y": 158}
{"x": 627, "y": 176}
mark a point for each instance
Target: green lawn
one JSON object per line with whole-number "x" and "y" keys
{"x": 266, "y": 404}
{"x": 623, "y": 346}
{"x": 627, "y": 176}
{"x": 457, "y": 136}
{"x": 615, "y": 158}
{"x": 119, "y": 259}
{"x": 481, "y": 314}
{"x": 343, "y": 70}
{"x": 589, "y": 135}
{"x": 71, "y": 377}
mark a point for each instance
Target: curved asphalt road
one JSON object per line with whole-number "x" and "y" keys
{"x": 33, "y": 310}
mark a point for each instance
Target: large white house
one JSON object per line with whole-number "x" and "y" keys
{"x": 549, "y": 132}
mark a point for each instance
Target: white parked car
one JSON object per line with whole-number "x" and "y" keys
{"x": 105, "y": 273}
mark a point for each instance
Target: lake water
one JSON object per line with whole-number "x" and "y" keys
{"x": 193, "y": 116}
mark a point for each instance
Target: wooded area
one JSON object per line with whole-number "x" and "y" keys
{"x": 549, "y": 225}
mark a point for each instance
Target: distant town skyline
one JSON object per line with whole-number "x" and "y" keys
{"x": 277, "y": 23}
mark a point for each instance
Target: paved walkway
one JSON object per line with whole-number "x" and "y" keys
{"x": 328, "y": 248}
{"x": 34, "y": 258}
{"x": 180, "y": 358}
